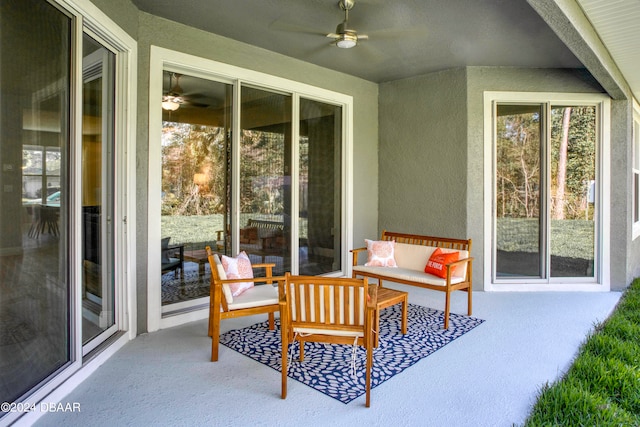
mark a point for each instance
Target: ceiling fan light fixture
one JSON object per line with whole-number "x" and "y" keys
{"x": 171, "y": 103}
{"x": 347, "y": 41}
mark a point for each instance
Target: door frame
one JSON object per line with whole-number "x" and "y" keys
{"x": 603, "y": 104}
{"x": 162, "y": 58}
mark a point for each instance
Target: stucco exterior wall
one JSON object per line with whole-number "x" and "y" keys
{"x": 423, "y": 155}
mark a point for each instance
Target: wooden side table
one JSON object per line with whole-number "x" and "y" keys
{"x": 386, "y": 298}
{"x": 198, "y": 256}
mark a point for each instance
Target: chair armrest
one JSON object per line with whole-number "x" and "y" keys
{"x": 263, "y": 265}
{"x": 173, "y": 248}
{"x": 268, "y": 268}
{"x": 355, "y": 253}
{"x": 267, "y": 280}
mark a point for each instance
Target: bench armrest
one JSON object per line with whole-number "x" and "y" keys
{"x": 454, "y": 264}
{"x": 355, "y": 253}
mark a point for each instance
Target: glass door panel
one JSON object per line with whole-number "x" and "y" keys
{"x": 545, "y": 191}
{"x": 265, "y": 177}
{"x": 35, "y": 289}
{"x": 98, "y": 285}
{"x": 519, "y": 229}
{"x": 196, "y": 123}
{"x": 320, "y": 192}
{"x": 573, "y": 198}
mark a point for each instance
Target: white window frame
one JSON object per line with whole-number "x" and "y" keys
{"x": 603, "y": 103}
{"x": 635, "y": 170}
{"x": 166, "y": 59}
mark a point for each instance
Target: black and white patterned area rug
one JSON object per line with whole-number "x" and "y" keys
{"x": 328, "y": 368}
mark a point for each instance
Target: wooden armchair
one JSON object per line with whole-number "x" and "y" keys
{"x": 327, "y": 309}
{"x": 257, "y": 300}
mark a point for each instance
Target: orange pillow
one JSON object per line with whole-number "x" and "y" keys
{"x": 437, "y": 262}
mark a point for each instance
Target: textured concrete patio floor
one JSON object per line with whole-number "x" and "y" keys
{"x": 488, "y": 377}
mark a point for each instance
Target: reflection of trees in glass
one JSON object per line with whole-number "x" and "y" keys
{"x": 518, "y": 169}
{"x": 187, "y": 150}
{"x": 262, "y": 165}
{"x": 572, "y": 162}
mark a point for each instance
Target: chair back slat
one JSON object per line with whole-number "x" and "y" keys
{"x": 330, "y": 302}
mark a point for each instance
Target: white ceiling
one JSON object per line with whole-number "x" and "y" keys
{"x": 617, "y": 22}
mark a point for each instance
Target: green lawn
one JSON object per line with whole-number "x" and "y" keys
{"x": 602, "y": 387}
{"x": 570, "y": 238}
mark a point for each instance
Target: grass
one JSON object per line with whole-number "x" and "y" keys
{"x": 602, "y": 387}
{"x": 570, "y": 238}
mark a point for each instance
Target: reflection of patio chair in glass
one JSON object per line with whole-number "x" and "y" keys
{"x": 44, "y": 218}
{"x": 169, "y": 260}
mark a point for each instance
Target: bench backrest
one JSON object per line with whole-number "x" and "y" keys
{"x": 413, "y": 251}
{"x": 438, "y": 242}
{"x": 266, "y": 228}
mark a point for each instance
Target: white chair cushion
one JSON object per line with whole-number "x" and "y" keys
{"x": 226, "y": 289}
{"x": 255, "y": 297}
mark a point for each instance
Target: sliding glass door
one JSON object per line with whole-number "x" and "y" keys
{"x": 546, "y": 204}
{"x": 245, "y": 168}
{"x": 36, "y": 334}
{"x": 196, "y": 131}
{"x": 265, "y": 177}
{"x": 97, "y": 193}
{"x": 320, "y": 187}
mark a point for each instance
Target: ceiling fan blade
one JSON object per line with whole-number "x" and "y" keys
{"x": 370, "y": 53}
{"x": 280, "y": 25}
{"x": 398, "y": 32}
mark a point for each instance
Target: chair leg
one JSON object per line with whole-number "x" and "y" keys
{"x": 301, "y": 342}
{"x": 272, "y": 322}
{"x": 469, "y": 298}
{"x": 447, "y": 301}
{"x": 404, "y": 315}
{"x": 215, "y": 336}
{"x": 285, "y": 357}
{"x": 368, "y": 373}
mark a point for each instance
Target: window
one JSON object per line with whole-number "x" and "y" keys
{"x": 40, "y": 174}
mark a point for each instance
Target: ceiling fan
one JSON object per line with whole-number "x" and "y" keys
{"x": 173, "y": 99}
{"x": 346, "y": 37}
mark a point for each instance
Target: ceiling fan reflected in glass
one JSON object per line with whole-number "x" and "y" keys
{"x": 346, "y": 37}
{"x": 172, "y": 100}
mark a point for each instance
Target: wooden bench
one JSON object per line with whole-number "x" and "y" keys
{"x": 411, "y": 255}
{"x": 262, "y": 236}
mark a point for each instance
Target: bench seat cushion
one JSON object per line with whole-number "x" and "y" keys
{"x": 407, "y": 274}
{"x": 415, "y": 257}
